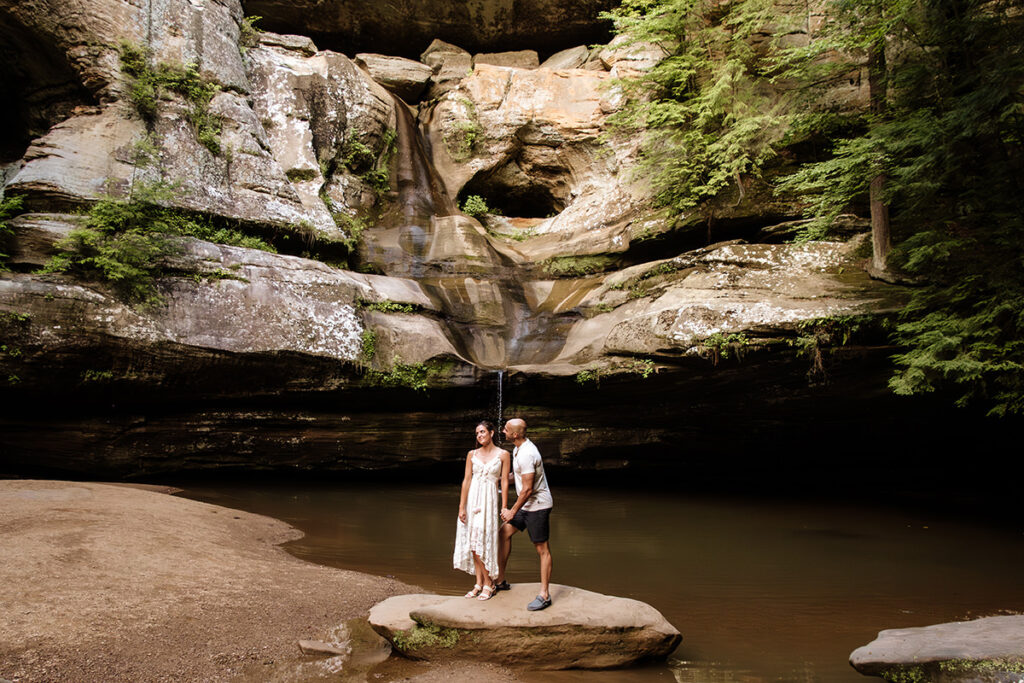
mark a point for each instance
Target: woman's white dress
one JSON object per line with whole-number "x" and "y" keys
{"x": 479, "y": 533}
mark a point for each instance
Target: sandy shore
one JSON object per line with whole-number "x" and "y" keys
{"x": 112, "y": 583}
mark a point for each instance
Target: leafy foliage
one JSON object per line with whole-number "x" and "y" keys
{"x": 248, "y": 32}
{"x": 945, "y": 132}
{"x": 475, "y": 205}
{"x": 150, "y": 84}
{"x": 461, "y": 137}
{"x": 415, "y": 376}
{"x": 127, "y": 243}
{"x": 9, "y": 207}
{"x": 388, "y": 306}
{"x": 367, "y": 345}
{"x": 706, "y": 119}
{"x": 574, "y": 266}
{"x": 721, "y": 346}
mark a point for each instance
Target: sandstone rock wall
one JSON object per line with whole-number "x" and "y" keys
{"x": 579, "y": 279}
{"x": 407, "y": 28}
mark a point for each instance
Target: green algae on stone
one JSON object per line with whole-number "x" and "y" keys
{"x": 426, "y": 636}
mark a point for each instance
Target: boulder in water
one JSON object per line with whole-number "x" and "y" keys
{"x": 581, "y": 629}
{"x": 989, "y": 650}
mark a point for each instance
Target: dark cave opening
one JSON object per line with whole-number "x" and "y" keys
{"x": 406, "y": 29}
{"x": 505, "y": 193}
{"x": 41, "y": 87}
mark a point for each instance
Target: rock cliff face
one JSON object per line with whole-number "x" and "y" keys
{"x": 407, "y": 28}
{"x": 577, "y": 286}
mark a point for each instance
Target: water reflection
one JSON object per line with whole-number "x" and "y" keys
{"x": 761, "y": 591}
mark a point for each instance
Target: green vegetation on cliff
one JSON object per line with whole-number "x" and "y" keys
{"x": 128, "y": 243}
{"x": 706, "y": 117}
{"x": 937, "y": 154}
{"x": 416, "y": 376}
{"x": 9, "y": 207}
{"x": 150, "y": 83}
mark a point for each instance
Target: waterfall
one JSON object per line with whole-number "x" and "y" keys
{"x": 421, "y": 191}
{"x": 424, "y": 236}
{"x": 501, "y": 376}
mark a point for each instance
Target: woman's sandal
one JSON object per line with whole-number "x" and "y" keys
{"x": 475, "y": 592}
{"x": 487, "y": 593}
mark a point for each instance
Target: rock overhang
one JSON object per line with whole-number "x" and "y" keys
{"x": 546, "y": 26}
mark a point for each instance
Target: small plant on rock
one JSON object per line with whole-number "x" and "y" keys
{"x": 475, "y": 205}
{"x": 9, "y": 207}
{"x": 150, "y": 83}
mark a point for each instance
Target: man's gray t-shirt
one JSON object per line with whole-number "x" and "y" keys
{"x": 526, "y": 460}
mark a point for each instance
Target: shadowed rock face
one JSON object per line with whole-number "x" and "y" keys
{"x": 40, "y": 85}
{"x": 406, "y": 28}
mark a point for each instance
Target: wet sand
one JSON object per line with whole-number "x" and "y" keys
{"x": 102, "y": 582}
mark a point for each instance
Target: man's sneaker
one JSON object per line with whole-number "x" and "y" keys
{"x": 502, "y": 586}
{"x": 539, "y": 603}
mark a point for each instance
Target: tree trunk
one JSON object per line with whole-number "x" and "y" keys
{"x": 881, "y": 241}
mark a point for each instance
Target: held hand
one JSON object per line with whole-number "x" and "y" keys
{"x": 506, "y": 515}
{"x": 462, "y": 515}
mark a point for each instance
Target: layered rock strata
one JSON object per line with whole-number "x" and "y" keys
{"x": 482, "y": 25}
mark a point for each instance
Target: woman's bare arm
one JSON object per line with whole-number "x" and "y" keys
{"x": 466, "y": 479}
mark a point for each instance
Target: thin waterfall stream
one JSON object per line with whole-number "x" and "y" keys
{"x": 478, "y": 290}
{"x": 501, "y": 377}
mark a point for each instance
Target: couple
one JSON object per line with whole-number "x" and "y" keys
{"x": 483, "y": 539}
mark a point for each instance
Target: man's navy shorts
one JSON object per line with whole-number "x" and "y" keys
{"x": 535, "y": 522}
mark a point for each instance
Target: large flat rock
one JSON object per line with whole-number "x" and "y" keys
{"x": 988, "y": 650}
{"x": 581, "y": 629}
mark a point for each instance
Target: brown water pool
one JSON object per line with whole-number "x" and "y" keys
{"x": 760, "y": 590}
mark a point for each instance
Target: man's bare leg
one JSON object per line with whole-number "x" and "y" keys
{"x": 545, "y": 568}
{"x": 505, "y": 534}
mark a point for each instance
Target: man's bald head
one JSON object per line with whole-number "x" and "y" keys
{"x": 515, "y": 428}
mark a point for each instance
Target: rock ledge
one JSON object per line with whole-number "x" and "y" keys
{"x": 989, "y": 650}
{"x": 581, "y": 629}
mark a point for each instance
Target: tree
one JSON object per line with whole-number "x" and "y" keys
{"x": 938, "y": 156}
{"x": 706, "y": 118}
{"x": 946, "y": 155}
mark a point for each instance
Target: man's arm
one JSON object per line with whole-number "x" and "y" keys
{"x": 524, "y": 495}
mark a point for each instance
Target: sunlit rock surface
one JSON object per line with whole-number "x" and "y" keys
{"x": 670, "y": 307}
{"x": 989, "y": 650}
{"x": 535, "y": 153}
{"x": 581, "y": 629}
{"x": 404, "y": 77}
{"x": 228, "y": 299}
{"x": 318, "y": 109}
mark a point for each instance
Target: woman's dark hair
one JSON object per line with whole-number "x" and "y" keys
{"x": 488, "y": 425}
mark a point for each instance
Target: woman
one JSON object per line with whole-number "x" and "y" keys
{"x": 476, "y": 536}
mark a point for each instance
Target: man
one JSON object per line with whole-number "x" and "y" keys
{"x": 530, "y": 511}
